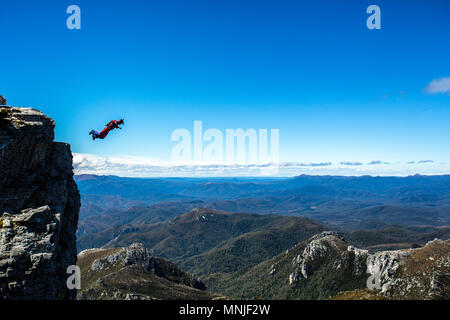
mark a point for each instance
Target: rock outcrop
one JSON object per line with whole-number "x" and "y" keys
{"x": 420, "y": 273}
{"x": 131, "y": 273}
{"x": 39, "y": 204}
{"x": 311, "y": 258}
{"x": 382, "y": 267}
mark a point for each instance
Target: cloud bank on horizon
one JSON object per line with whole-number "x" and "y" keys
{"x": 148, "y": 167}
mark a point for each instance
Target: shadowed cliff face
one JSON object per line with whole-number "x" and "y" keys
{"x": 39, "y": 204}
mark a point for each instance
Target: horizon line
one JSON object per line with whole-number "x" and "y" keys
{"x": 264, "y": 177}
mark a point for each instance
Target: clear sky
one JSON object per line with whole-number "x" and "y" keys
{"x": 339, "y": 93}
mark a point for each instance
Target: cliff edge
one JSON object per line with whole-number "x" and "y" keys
{"x": 39, "y": 204}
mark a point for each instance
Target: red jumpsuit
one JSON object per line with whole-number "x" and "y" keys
{"x": 110, "y": 126}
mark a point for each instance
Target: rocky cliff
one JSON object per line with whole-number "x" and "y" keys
{"x": 39, "y": 204}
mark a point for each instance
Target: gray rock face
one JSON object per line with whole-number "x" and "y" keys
{"x": 384, "y": 264}
{"x": 2, "y": 100}
{"x": 317, "y": 247}
{"x": 135, "y": 254}
{"x": 427, "y": 276}
{"x": 39, "y": 204}
{"x": 138, "y": 254}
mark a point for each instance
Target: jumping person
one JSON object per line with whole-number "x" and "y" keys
{"x": 113, "y": 124}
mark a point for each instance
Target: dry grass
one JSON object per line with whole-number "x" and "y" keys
{"x": 86, "y": 259}
{"x": 424, "y": 260}
{"x": 359, "y": 294}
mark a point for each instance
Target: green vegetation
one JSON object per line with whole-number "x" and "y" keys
{"x": 246, "y": 256}
{"x": 192, "y": 233}
{"x": 403, "y": 237}
{"x": 252, "y": 247}
{"x": 326, "y": 280}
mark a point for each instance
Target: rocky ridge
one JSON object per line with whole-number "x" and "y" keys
{"x": 326, "y": 266}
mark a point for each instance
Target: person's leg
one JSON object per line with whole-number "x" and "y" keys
{"x": 104, "y": 133}
{"x": 94, "y": 134}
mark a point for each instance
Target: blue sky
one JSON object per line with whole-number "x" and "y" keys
{"x": 337, "y": 91}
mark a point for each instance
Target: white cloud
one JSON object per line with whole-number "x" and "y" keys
{"x": 441, "y": 85}
{"x": 149, "y": 167}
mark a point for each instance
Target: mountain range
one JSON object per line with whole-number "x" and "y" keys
{"x": 110, "y": 203}
{"x": 249, "y": 237}
{"x": 344, "y": 202}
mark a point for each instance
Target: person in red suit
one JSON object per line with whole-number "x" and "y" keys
{"x": 113, "y": 124}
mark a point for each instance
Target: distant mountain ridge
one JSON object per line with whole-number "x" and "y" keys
{"x": 349, "y": 203}
{"x": 229, "y": 188}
